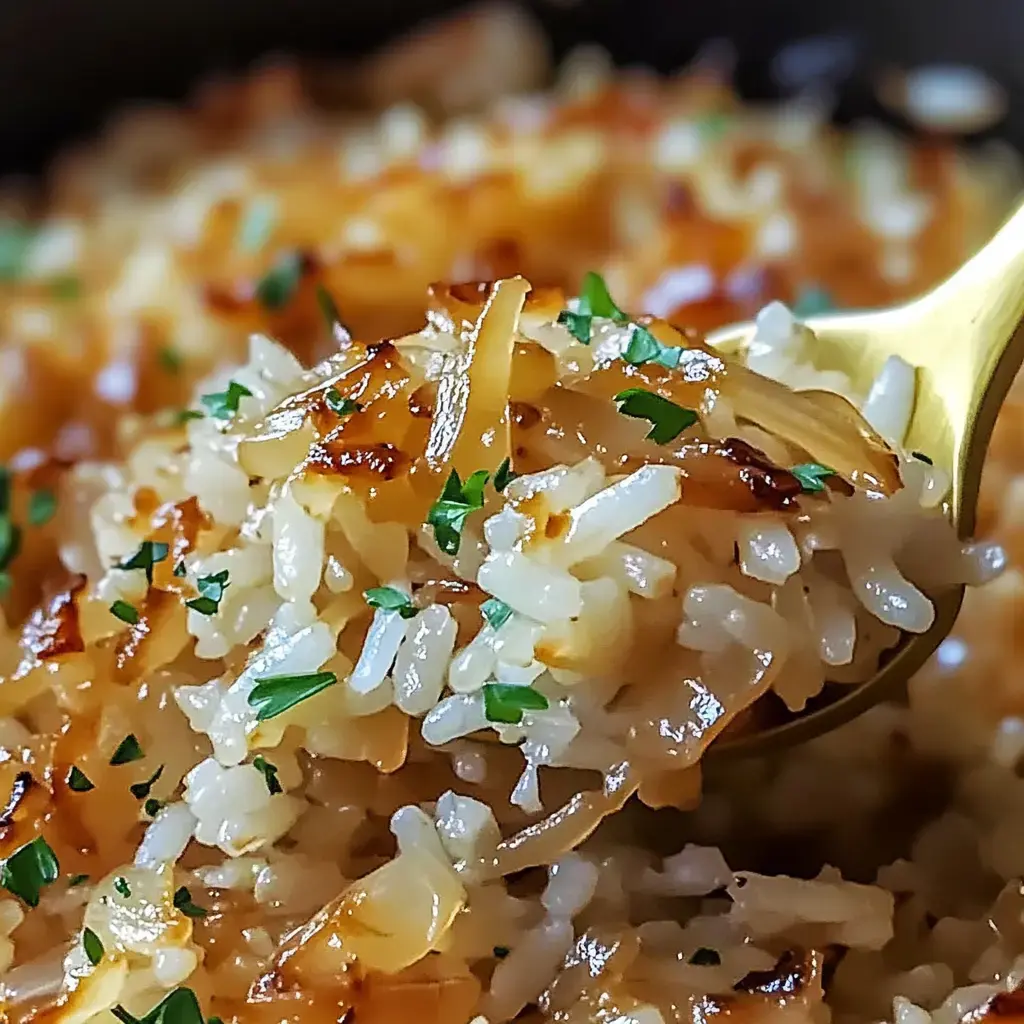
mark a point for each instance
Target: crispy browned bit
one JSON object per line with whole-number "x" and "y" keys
{"x": 377, "y": 461}
{"x": 156, "y": 639}
{"x": 1003, "y": 1005}
{"x": 792, "y": 974}
{"x": 447, "y": 591}
{"x": 53, "y": 628}
{"x": 767, "y": 482}
{"x": 524, "y": 415}
{"x": 178, "y": 525}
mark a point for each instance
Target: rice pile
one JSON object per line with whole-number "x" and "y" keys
{"x": 377, "y": 687}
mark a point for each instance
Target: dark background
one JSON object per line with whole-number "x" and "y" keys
{"x": 66, "y": 63}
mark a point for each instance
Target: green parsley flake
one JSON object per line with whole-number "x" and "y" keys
{"x": 921, "y": 457}
{"x": 257, "y": 224}
{"x": 500, "y": 952}
{"x": 125, "y": 612}
{"x": 577, "y": 324}
{"x": 495, "y": 612}
{"x": 269, "y": 772}
{"x": 503, "y": 476}
{"x": 178, "y": 1007}
{"x": 5, "y": 490}
{"x": 78, "y": 781}
{"x": 179, "y": 569}
{"x": 15, "y": 239}
{"x": 594, "y": 300}
{"x": 667, "y": 419}
{"x": 150, "y": 552}
{"x": 184, "y": 415}
{"x": 128, "y": 750}
{"x": 10, "y": 541}
{"x": 152, "y": 806}
{"x": 211, "y": 591}
{"x": 27, "y": 870}
{"x": 92, "y": 946}
{"x": 76, "y": 880}
{"x": 183, "y": 902}
{"x": 506, "y": 702}
{"x": 338, "y": 405}
{"x": 222, "y": 405}
{"x": 390, "y": 599}
{"x": 449, "y": 513}
{"x": 812, "y": 476}
{"x": 170, "y": 360}
{"x": 140, "y": 790}
{"x": 5, "y": 583}
{"x": 41, "y": 507}
{"x": 278, "y": 286}
{"x": 121, "y": 886}
{"x": 644, "y": 347}
{"x": 329, "y": 308}
{"x": 65, "y": 288}
{"x": 812, "y": 301}
{"x": 273, "y": 695}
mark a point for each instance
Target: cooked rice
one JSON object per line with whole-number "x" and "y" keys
{"x": 393, "y": 846}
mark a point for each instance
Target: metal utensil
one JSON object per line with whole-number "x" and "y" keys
{"x": 966, "y": 339}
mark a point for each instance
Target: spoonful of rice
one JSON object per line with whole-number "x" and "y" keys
{"x": 935, "y": 373}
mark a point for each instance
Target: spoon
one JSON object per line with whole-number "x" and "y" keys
{"x": 966, "y": 339}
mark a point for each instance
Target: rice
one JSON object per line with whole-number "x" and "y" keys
{"x": 357, "y": 736}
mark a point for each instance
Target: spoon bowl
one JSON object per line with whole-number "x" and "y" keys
{"x": 965, "y": 340}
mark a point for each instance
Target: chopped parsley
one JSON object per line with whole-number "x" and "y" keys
{"x": 222, "y": 405}
{"x": 921, "y": 457}
{"x": 390, "y": 599}
{"x": 279, "y": 284}
{"x": 178, "y": 1007}
{"x": 594, "y": 300}
{"x": 125, "y": 612}
{"x": 338, "y": 405}
{"x": 329, "y": 308}
{"x": 10, "y": 540}
{"x": 41, "y": 507}
{"x": 65, "y": 287}
{"x": 78, "y": 781}
{"x": 506, "y": 702}
{"x": 448, "y": 514}
{"x": 170, "y": 360}
{"x": 92, "y": 946}
{"x": 503, "y": 475}
{"x": 128, "y": 750}
{"x": 644, "y": 347}
{"x": 269, "y": 772}
{"x": 76, "y": 880}
{"x": 257, "y": 224}
{"x": 705, "y": 957}
{"x": 28, "y": 869}
{"x": 211, "y": 591}
{"x": 183, "y": 902}
{"x": 500, "y": 952}
{"x": 667, "y": 419}
{"x": 152, "y": 806}
{"x": 812, "y": 476}
{"x": 150, "y": 552}
{"x": 184, "y": 415}
{"x": 273, "y": 695}
{"x": 140, "y": 790}
{"x": 179, "y": 568}
{"x": 495, "y": 612}
{"x": 121, "y": 886}
{"x": 15, "y": 239}
{"x": 813, "y": 301}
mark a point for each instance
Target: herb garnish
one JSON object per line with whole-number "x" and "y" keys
{"x": 125, "y": 612}
{"x": 15, "y": 239}
{"x": 170, "y": 359}
{"x": 183, "y": 902}
{"x": 390, "y": 599}
{"x": 257, "y": 224}
{"x": 128, "y": 750}
{"x": 179, "y": 569}
{"x": 594, "y": 300}
{"x": 503, "y": 475}
{"x": 495, "y": 612}
{"x": 338, "y": 405}
{"x": 184, "y": 415}
{"x": 448, "y": 514}
{"x": 269, "y": 771}
{"x": 178, "y": 1007}
{"x": 812, "y": 301}
{"x": 278, "y": 286}
{"x": 152, "y": 806}
{"x": 329, "y": 308}
{"x": 41, "y": 507}
{"x": 76, "y": 880}
{"x": 150, "y": 552}
{"x": 506, "y": 702}
{"x": 140, "y": 790}
{"x": 273, "y": 695}
{"x": 10, "y": 540}
{"x": 65, "y": 287}
{"x": 921, "y": 457}
{"x": 121, "y": 886}
{"x": 501, "y": 952}
{"x": 667, "y": 419}
{"x": 211, "y": 591}
{"x": 27, "y": 870}
{"x": 78, "y": 781}
{"x": 644, "y": 347}
{"x": 705, "y": 957}
{"x": 92, "y": 946}
{"x": 812, "y": 476}
{"x": 222, "y": 405}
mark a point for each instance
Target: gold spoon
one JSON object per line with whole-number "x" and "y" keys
{"x": 966, "y": 338}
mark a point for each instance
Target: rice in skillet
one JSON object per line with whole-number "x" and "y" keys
{"x": 345, "y": 664}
